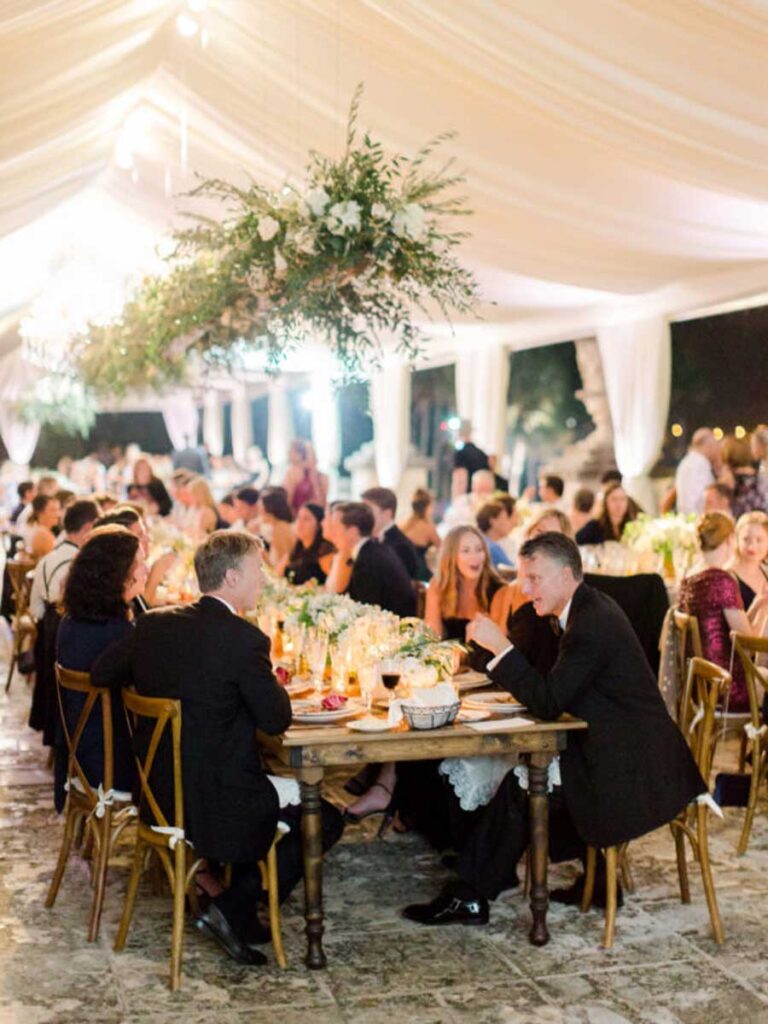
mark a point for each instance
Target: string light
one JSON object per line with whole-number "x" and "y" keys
{"x": 739, "y": 432}
{"x": 718, "y": 432}
{"x": 677, "y": 430}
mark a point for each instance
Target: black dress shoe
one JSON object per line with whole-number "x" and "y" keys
{"x": 257, "y": 934}
{"x": 572, "y": 895}
{"x": 449, "y": 909}
{"x": 215, "y": 924}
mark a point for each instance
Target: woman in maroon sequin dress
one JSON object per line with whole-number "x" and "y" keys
{"x": 713, "y": 596}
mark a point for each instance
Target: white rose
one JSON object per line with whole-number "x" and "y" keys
{"x": 343, "y": 217}
{"x": 281, "y": 264}
{"x": 380, "y": 212}
{"x": 267, "y": 228}
{"x": 316, "y": 201}
{"x": 305, "y": 241}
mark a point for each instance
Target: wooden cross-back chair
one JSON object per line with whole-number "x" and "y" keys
{"x": 706, "y": 686}
{"x": 22, "y": 624}
{"x": 747, "y": 649}
{"x": 688, "y": 646}
{"x": 104, "y": 810}
{"x": 168, "y": 840}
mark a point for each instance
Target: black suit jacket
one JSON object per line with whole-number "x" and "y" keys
{"x": 405, "y": 550}
{"x": 631, "y": 771}
{"x": 379, "y": 577}
{"x": 218, "y": 666}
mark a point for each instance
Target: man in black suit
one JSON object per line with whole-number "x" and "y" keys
{"x": 383, "y": 503}
{"x": 377, "y": 574}
{"x": 217, "y": 664}
{"x": 630, "y": 772}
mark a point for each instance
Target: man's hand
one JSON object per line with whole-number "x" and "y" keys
{"x": 486, "y": 633}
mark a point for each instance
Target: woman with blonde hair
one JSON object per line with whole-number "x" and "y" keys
{"x": 465, "y": 584}
{"x": 204, "y": 504}
{"x": 748, "y": 563}
{"x": 713, "y": 596}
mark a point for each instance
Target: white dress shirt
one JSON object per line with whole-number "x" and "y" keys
{"x": 693, "y": 476}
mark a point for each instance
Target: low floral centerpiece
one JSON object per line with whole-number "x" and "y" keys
{"x": 672, "y": 537}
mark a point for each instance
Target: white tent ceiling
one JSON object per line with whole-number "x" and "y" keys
{"x": 616, "y": 151}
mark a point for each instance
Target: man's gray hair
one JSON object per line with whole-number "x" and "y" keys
{"x": 559, "y": 548}
{"x": 223, "y": 549}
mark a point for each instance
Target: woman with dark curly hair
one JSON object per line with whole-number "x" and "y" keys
{"x": 104, "y": 578}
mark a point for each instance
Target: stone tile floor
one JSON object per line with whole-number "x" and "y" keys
{"x": 664, "y": 968}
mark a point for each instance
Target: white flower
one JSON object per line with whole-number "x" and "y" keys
{"x": 281, "y": 264}
{"x": 305, "y": 241}
{"x": 409, "y": 221}
{"x": 268, "y": 228}
{"x": 316, "y": 201}
{"x": 343, "y": 217}
{"x": 380, "y": 212}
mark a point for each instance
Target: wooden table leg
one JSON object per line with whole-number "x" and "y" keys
{"x": 310, "y": 780}
{"x": 539, "y": 822}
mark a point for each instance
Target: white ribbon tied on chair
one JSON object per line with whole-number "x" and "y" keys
{"x": 696, "y": 718}
{"x": 708, "y": 800}
{"x": 104, "y": 800}
{"x": 175, "y": 835}
{"x": 753, "y": 733}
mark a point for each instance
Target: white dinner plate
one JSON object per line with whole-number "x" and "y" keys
{"x": 310, "y": 712}
{"x": 494, "y": 703}
{"x": 470, "y": 680}
{"x": 369, "y": 724}
{"x": 472, "y": 715}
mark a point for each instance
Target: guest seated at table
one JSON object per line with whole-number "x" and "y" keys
{"x": 276, "y": 524}
{"x": 748, "y": 562}
{"x": 47, "y": 485}
{"x": 47, "y": 587}
{"x": 718, "y": 498}
{"x": 217, "y": 663}
{"x": 551, "y": 489}
{"x": 227, "y": 510}
{"x": 581, "y": 509}
{"x": 311, "y": 556}
{"x": 514, "y": 596}
{"x": 204, "y": 505}
{"x": 247, "y": 508}
{"x": 104, "y": 578}
{"x": 420, "y": 530}
{"x": 383, "y": 504}
{"x": 26, "y": 491}
{"x": 494, "y": 523}
{"x": 368, "y": 572}
{"x": 45, "y": 518}
{"x": 618, "y": 510}
{"x": 714, "y": 597}
{"x": 130, "y": 517}
{"x": 628, "y": 773}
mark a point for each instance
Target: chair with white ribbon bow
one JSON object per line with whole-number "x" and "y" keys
{"x": 705, "y": 687}
{"x": 748, "y": 649}
{"x": 102, "y": 810}
{"x": 167, "y": 840}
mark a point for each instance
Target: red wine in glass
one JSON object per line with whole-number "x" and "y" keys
{"x": 390, "y": 679}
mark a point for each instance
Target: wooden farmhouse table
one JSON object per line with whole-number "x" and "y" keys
{"x": 308, "y": 750}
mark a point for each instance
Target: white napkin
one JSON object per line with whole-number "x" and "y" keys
{"x": 429, "y": 697}
{"x": 501, "y": 725}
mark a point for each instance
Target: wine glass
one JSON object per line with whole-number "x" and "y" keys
{"x": 317, "y": 655}
{"x": 390, "y": 673}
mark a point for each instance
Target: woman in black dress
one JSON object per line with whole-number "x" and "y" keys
{"x": 311, "y": 556}
{"x": 108, "y": 572}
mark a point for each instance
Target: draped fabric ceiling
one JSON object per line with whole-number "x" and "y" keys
{"x": 615, "y": 151}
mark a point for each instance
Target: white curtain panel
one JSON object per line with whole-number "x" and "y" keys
{"x": 19, "y": 438}
{"x": 482, "y": 379}
{"x": 391, "y": 412}
{"x": 279, "y": 428}
{"x": 213, "y": 422}
{"x": 637, "y": 158}
{"x": 181, "y": 419}
{"x": 637, "y": 367}
{"x": 242, "y": 425}
{"x": 325, "y": 421}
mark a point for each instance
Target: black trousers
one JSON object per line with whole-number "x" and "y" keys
{"x": 238, "y": 903}
{"x": 488, "y": 859}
